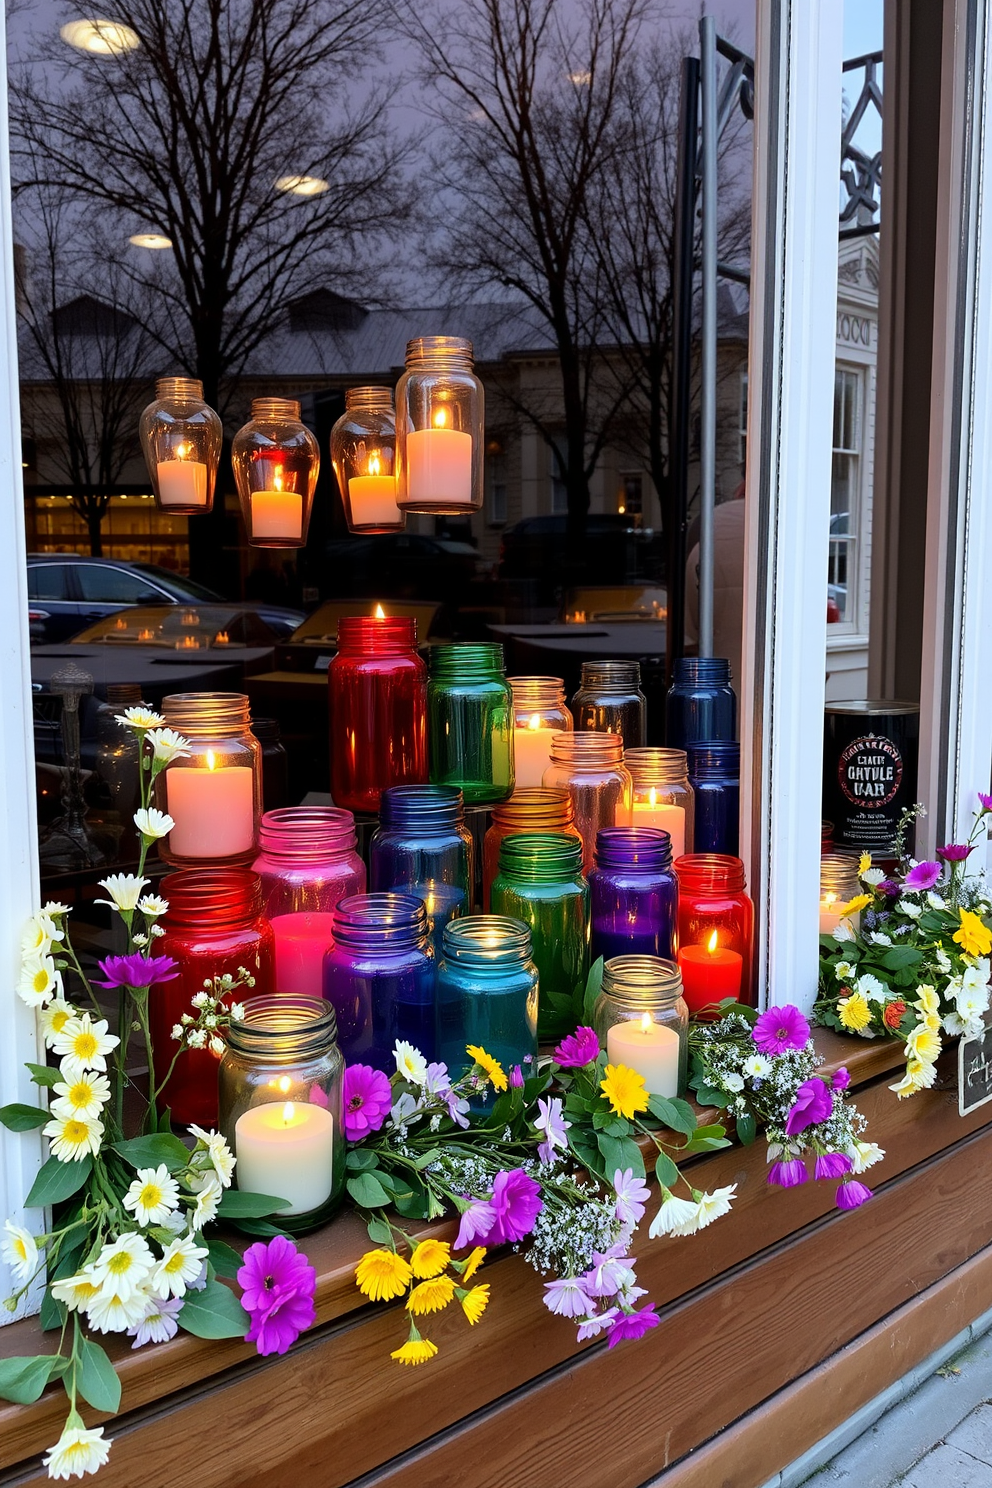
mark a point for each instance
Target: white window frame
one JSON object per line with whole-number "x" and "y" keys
{"x": 856, "y": 625}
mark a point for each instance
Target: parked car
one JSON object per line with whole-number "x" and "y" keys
{"x": 67, "y": 592}
{"x": 534, "y": 555}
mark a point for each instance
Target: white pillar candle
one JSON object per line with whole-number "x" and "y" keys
{"x": 531, "y": 752}
{"x": 373, "y": 501}
{"x": 182, "y": 482}
{"x": 276, "y": 514}
{"x": 649, "y": 1048}
{"x": 286, "y": 1150}
{"x": 213, "y": 810}
{"x": 439, "y": 465}
{"x": 670, "y": 819}
{"x": 830, "y": 914}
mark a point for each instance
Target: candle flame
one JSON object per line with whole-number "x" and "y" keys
{"x": 646, "y": 1021}
{"x": 211, "y": 761}
{"x": 182, "y": 450}
{"x": 652, "y": 797}
{"x": 285, "y": 1084}
{"x": 277, "y": 478}
{"x": 375, "y": 465}
{"x": 711, "y": 943}
{"x": 829, "y": 899}
{"x": 535, "y": 721}
{"x": 440, "y": 418}
{"x": 288, "y": 1112}
{"x": 379, "y": 612}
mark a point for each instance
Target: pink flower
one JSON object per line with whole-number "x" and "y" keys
{"x": 986, "y": 801}
{"x": 516, "y": 1078}
{"x": 841, "y": 1079}
{"x": 923, "y": 876}
{"x": 852, "y": 1195}
{"x": 137, "y": 970}
{"x": 813, "y": 1104}
{"x": 590, "y": 1326}
{"x": 476, "y": 1221}
{"x": 788, "y": 1174}
{"x": 780, "y": 1029}
{"x": 831, "y": 1165}
{"x": 367, "y": 1098}
{"x": 516, "y": 1200}
{"x": 632, "y": 1325}
{"x": 578, "y": 1049}
{"x": 953, "y": 852}
{"x": 277, "y": 1288}
{"x": 566, "y": 1296}
{"x": 632, "y": 1196}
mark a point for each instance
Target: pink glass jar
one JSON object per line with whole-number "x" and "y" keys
{"x": 307, "y": 862}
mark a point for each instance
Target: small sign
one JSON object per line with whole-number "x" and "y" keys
{"x": 974, "y": 1072}
{"x": 322, "y": 663}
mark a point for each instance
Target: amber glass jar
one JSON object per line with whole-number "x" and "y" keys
{"x": 536, "y": 809}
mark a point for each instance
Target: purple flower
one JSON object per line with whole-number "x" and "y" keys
{"x": 788, "y": 1174}
{"x": 632, "y": 1195}
{"x": 367, "y": 1098}
{"x": 986, "y": 801}
{"x": 136, "y": 970}
{"x": 610, "y": 1273}
{"x": 437, "y": 1081}
{"x": 831, "y": 1165}
{"x": 476, "y": 1221}
{"x": 580, "y": 1048}
{"x": 841, "y": 1079}
{"x": 852, "y": 1195}
{"x": 953, "y": 852}
{"x": 567, "y": 1297}
{"x": 595, "y": 1323}
{"x": 516, "y": 1200}
{"x": 553, "y": 1125}
{"x": 813, "y": 1104}
{"x": 516, "y": 1078}
{"x": 632, "y": 1325}
{"x": 923, "y": 876}
{"x": 780, "y": 1029}
{"x": 457, "y": 1107}
{"x": 889, "y": 888}
{"x": 159, "y": 1322}
{"x": 277, "y": 1287}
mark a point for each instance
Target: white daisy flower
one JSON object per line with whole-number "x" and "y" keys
{"x": 152, "y": 823}
{"x": 757, "y": 1067}
{"x": 872, "y": 876}
{"x": 78, "y": 1451}
{"x": 54, "y": 908}
{"x": 168, "y": 745}
{"x": 871, "y": 988}
{"x": 85, "y": 1094}
{"x": 77, "y": 1292}
{"x": 20, "y": 1251}
{"x": 153, "y": 1194}
{"x": 843, "y": 971}
{"x": 208, "y": 1200}
{"x": 38, "y": 935}
{"x": 675, "y": 1217}
{"x": 221, "y": 1156}
{"x": 139, "y": 940}
{"x": 38, "y": 980}
{"x": 180, "y": 1265}
{"x": 152, "y": 905}
{"x": 113, "y": 1311}
{"x": 123, "y": 1266}
{"x": 124, "y": 890}
{"x": 54, "y": 1016}
{"x": 85, "y": 1043}
{"x": 140, "y": 717}
{"x": 711, "y": 1206}
{"x": 410, "y": 1063}
{"x": 73, "y": 1137}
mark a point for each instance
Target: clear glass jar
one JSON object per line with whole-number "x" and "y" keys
{"x": 181, "y": 439}
{"x": 610, "y": 701}
{"x": 422, "y": 846}
{"x": 214, "y": 795}
{"x": 540, "y": 882}
{"x": 470, "y": 722}
{"x": 662, "y": 795}
{"x": 282, "y": 1105}
{"x": 487, "y": 994}
{"x": 380, "y": 975}
{"x": 307, "y": 863}
{"x": 214, "y": 925}
{"x": 440, "y": 428}
{"x": 590, "y": 766}
{"x": 539, "y": 711}
{"x": 118, "y": 765}
{"x": 276, "y": 461}
{"x": 715, "y": 773}
{"x": 531, "y": 810}
{"x": 377, "y": 692}
{"x": 363, "y": 455}
{"x": 700, "y": 704}
{"x": 839, "y": 884}
{"x": 634, "y": 894}
{"x": 716, "y": 929}
{"x": 643, "y": 1021}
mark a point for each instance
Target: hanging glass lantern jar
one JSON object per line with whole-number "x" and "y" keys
{"x": 181, "y": 439}
{"x": 363, "y": 454}
{"x": 276, "y": 461}
{"x": 440, "y": 415}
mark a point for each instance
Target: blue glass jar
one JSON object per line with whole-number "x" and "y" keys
{"x": 487, "y": 994}
{"x": 634, "y": 895}
{"x": 422, "y": 846}
{"x": 380, "y": 975}
{"x": 715, "y": 774}
{"x": 701, "y": 703}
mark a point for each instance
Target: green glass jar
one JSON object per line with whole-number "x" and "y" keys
{"x": 540, "y": 881}
{"x": 470, "y": 722}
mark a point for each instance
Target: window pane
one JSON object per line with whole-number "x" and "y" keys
{"x": 47, "y": 581}
{"x": 103, "y": 584}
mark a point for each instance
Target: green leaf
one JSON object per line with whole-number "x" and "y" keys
{"x": 18, "y": 1118}
{"x": 665, "y": 1170}
{"x": 359, "y": 1158}
{"x": 620, "y": 1153}
{"x": 379, "y": 1231}
{"x": 367, "y": 1192}
{"x": 704, "y": 1144}
{"x": 225, "y": 1260}
{"x": 261, "y": 1228}
{"x": 57, "y": 1181}
{"x": 677, "y": 1114}
{"x": 708, "y": 1095}
{"x": 746, "y": 1128}
{"x": 417, "y": 1204}
{"x": 594, "y": 983}
{"x": 97, "y": 1379}
{"x": 150, "y": 1151}
{"x": 23, "y": 1379}
{"x": 238, "y": 1205}
{"x": 43, "y": 1074}
{"x": 52, "y": 1314}
{"x": 214, "y": 1313}
{"x": 898, "y": 958}
{"x": 709, "y": 1131}
{"x": 165, "y": 1121}
{"x": 587, "y": 1151}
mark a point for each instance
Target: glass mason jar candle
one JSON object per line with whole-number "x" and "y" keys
{"x": 700, "y": 703}
{"x": 716, "y": 929}
{"x": 540, "y": 882}
{"x": 839, "y": 884}
{"x": 363, "y": 456}
{"x": 275, "y": 763}
{"x": 282, "y": 1105}
{"x": 380, "y": 975}
{"x": 307, "y": 862}
{"x": 715, "y": 773}
{"x": 213, "y": 927}
{"x": 634, "y": 895}
{"x": 539, "y": 711}
{"x": 470, "y": 722}
{"x": 662, "y": 795}
{"x": 377, "y": 691}
{"x": 423, "y": 847}
{"x": 643, "y": 1022}
{"x": 276, "y": 461}
{"x": 487, "y": 995}
{"x": 181, "y": 439}
{"x": 440, "y": 420}
{"x": 214, "y": 793}
{"x": 590, "y": 766}
{"x": 610, "y": 701}
{"x": 530, "y": 810}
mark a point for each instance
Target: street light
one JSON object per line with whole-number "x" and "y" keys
{"x": 303, "y": 185}
{"x": 101, "y": 37}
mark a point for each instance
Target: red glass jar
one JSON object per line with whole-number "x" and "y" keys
{"x": 307, "y": 862}
{"x": 716, "y": 929}
{"x": 377, "y": 687}
{"x": 214, "y": 924}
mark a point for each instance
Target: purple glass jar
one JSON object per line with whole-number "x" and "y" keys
{"x": 634, "y": 894}
{"x": 380, "y": 976}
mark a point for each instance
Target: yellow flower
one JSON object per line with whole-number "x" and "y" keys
{"x": 864, "y": 863}
{"x": 860, "y": 901}
{"x": 854, "y": 1012}
{"x": 475, "y": 1302}
{"x": 473, "y": 1262}
{"x": 974, "y": 938}
{"x": 625, "y": 1090}
{"x": 415, "y": 1351}
{"x": 431, "y": 1296}
{"x": 382, "y": 1275}
{"x": 906, "y": 1086}
{"x": 492, "y": 1066}
{"x": 927, "y": 1001}
{"x": 923, "y": 1044}
{"x": 932, "y": 1022}
{"x": 430, "y": 1258}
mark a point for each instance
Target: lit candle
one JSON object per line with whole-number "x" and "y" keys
{"x": 671, "y": 819}
{"x": 286, "y": 1150}
{"x": 213, "y": 810}
{"x": 649, "y": 1048}
{"x": 531, "y": 752}
{"x": 710, "y": 972}
{"x": 301, "y": 940}
{"x": 373, "y": 497}
{"x": 277, "y": 513}
{"x": 182, "y": 482}
{"x": 439, "y": 464}
{"x": 830, "y": 916}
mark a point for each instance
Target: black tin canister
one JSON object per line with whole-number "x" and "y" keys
{"x": 870, "y": 757}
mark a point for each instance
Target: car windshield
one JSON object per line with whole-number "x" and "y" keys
{"x": 182, "y": 588}
{"x": 193, "y": 627}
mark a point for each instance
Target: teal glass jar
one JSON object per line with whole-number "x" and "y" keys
{"x": 540, "y": 881}
{"x": 487, "y": 995}
{"x": 470, "y": 722}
